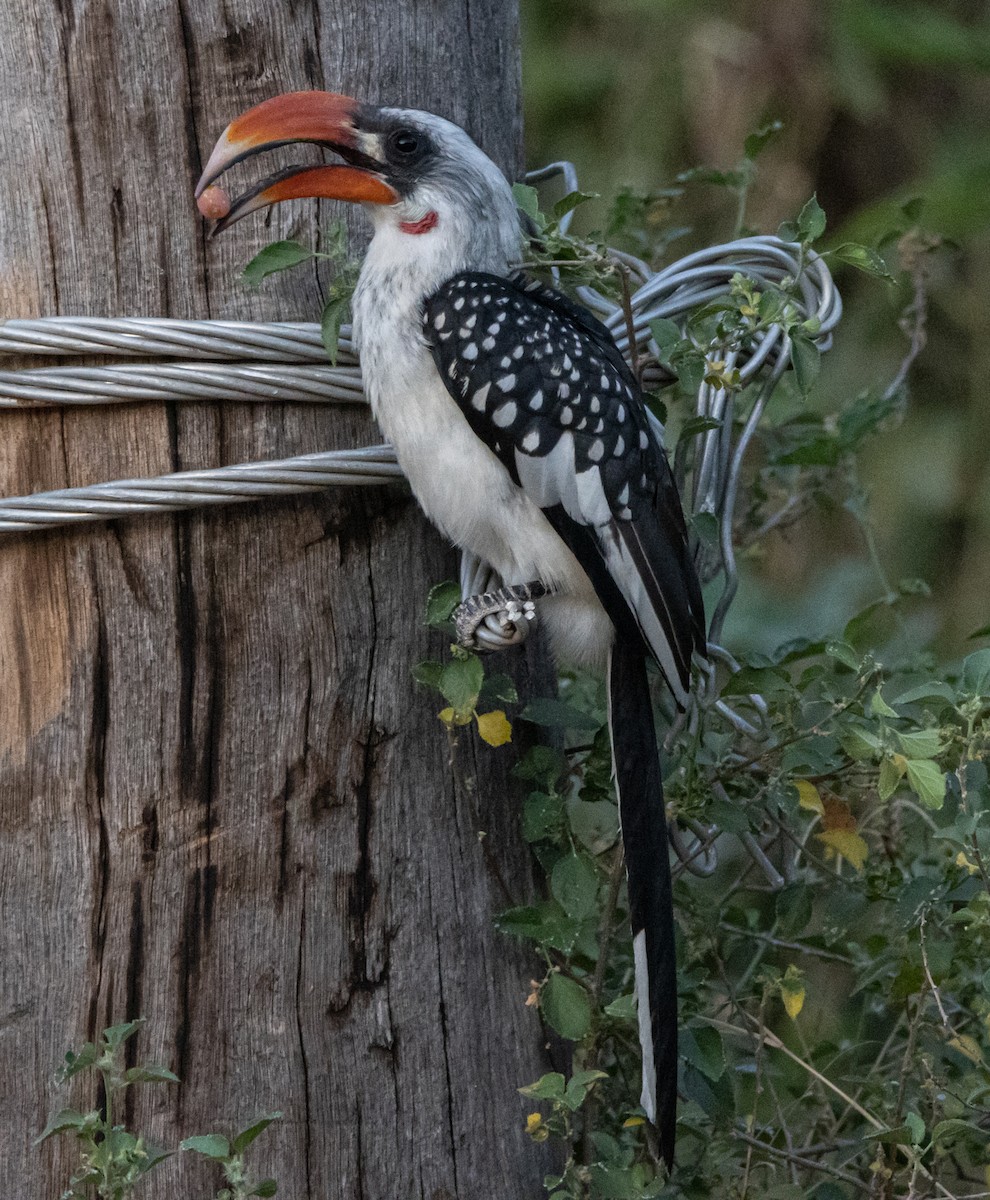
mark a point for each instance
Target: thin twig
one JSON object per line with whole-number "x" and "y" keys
{"x": 798, "y": 947}
{"x": 801, "y": 1161}
{"x": 928, "y": 975}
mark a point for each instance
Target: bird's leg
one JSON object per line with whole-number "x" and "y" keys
{"x": 511, "y": 606}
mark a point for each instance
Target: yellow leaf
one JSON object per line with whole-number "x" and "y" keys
{"x": 963, "y": 861}
{"x": 848, "y": 843}
{"x": 533, "y": 1121}
{"x": 494, "y": 728}
{"x": 792, "y": 991}
{"x": 808, "y": 796}
{"x": 451, "y": 717}
{"x": 632, "y": 1122}
{"x": 966, "y": 1046}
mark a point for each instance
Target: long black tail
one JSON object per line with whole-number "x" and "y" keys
{"x": 636, "y": 763}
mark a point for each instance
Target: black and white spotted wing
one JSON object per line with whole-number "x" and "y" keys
{"x": 543, "y": 384}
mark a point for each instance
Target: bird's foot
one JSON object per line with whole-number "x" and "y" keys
{"x": 499, "y": 619}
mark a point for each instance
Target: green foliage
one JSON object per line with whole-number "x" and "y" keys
{"x": 113, "y": 1161}
{"x": 229, "y": 1156}
{"x": 284, "y": 255}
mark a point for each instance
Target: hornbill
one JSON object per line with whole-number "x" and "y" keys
{"x": 525, "y": 439}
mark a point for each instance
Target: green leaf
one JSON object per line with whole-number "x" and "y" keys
{"x": 916, "y": 1126}
{"x": 460, "y": 682}
{"x": 862, "y": 258}
{"x": 811, "y": 221}
{"x": 116, "y": 1035}
{"x": 546, "y": 923}
{"x": 247, "y": 1136}
{"x": 623, "y": 1008}
{"x": 696, "y": 425}
{"x": 761, "y": 138}
{"x": 441, "y": 602}
{"x": 703, "y": 1047}
{"x": 932, "y": 690}
{"x": 212, "y": 1145}
{"x": 499, "y": 688}
{"x": 595, "y": 823}
{"x": 150, "y": 1074}
{"x": 806, "y": 360}
{"x": 578, "y": 1087}
{"x": 574, "y": 885}
{"x": 543, "y": 817}
{"x": 920, "y": 743}
{"x": 955, "y": 1127}
{"x": 528, "y": 199}
{"x": 667, "y": 336}
{"x": 547, "y": 1087}
{"x": 559, "y": 714}
{"x": 614, "y": 1183}
{"x": 566, "y": 1007}
{"x": 67, "y": 1119}
{"x": 758, "y": 681}
{"x": 844, "y": 653}
{"x": 571, "y": 201}
{"x": 74, "y": 1063}
{"x": 335, "y": 313}
{"x": 880, "y": 708}
{"x": 542, "y": 765}
{"x": 279, "y": 256}
{"x": 859, "y": 743}
{"x": 976, "y": 673}
{"x": 705, "y": 525}
{"x": 428, "y": 673}
{"x": 267, "y": 1187}
{"x": 927, "y": 782}
{"x": 890, "y": 778}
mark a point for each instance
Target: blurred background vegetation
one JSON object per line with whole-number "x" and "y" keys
{"x": 881, "y": 103}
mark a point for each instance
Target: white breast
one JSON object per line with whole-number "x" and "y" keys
{"x": 461, "y": 485}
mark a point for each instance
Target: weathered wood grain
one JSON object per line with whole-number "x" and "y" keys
{"x": 222, "y": 803}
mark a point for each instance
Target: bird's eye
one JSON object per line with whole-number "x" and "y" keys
{"x": 405, "y": 142}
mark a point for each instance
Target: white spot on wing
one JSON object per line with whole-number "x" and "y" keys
{"x": 620, "y": 446}
{"x": 438, "y": 320}
{"x": 596, "y": 450}
{"x": 592, "y": 498}
{"x": 536, "y": 400}
{"x": 506, "y": 383}
{"x": 479, "y": 397}
{"x": 470, "y": 352}
{"x": 531, "y": 441}
{"x": 505, "y": 415}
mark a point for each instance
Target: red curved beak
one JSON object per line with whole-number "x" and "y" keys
{"x": 325, "y": 118}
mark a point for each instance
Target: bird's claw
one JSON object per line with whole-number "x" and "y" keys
{"x": 499, "y": 619}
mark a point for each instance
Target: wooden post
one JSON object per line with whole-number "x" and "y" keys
{"x": 223, "y": 803}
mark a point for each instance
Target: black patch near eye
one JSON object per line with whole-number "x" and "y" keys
{"x": 404, "y": 142}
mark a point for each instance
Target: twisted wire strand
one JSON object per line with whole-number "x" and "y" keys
{"x": 195, "y": 489}
{"x": 117, "y": 383}
{"x": 159, "y": 337}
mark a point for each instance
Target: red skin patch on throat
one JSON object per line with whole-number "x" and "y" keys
{"x": 423, "y": 225}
